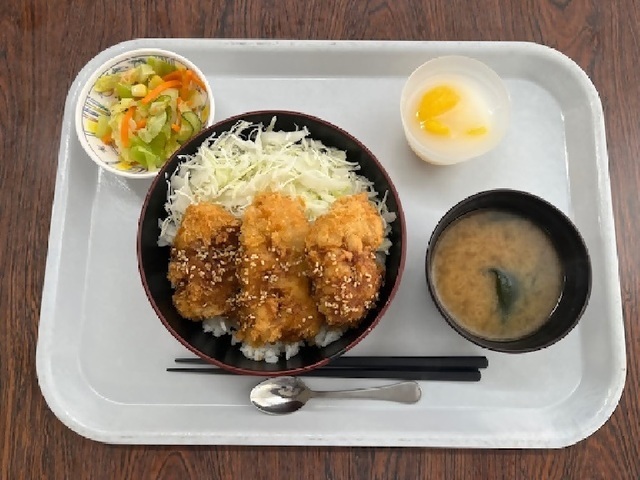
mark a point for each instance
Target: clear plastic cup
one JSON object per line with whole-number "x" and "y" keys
{"x": 473, "y": 76}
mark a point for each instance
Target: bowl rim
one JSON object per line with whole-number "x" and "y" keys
{"x": 498, "y": 345}
{"x": 101, "y": 70}
{"x": 163, "y": 177}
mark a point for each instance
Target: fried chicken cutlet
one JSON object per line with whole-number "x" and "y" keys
{"x": 340, "y": 248}
{"x": 202, "y": 267}
{"x": 275, "y": 302}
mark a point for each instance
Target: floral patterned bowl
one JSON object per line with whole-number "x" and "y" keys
{"x": 92, "y": 103}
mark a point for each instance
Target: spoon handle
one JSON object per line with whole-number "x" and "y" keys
{"x": 402, "y": 392}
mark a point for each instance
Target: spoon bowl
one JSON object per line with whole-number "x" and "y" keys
{"x": 283, "y": 395}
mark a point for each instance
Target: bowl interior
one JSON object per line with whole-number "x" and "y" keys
{"x": 153, "y": 260}
{"x": 571, "y": 249}
{"x": 92, "y": 104}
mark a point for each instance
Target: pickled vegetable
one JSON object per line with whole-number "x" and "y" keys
{"x": 158, "y": 107}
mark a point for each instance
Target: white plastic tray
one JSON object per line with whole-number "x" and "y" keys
{"x": 112, "y": 387}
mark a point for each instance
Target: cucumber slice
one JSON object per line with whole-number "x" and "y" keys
{"x": 193, "y": 120}
{"x": 185, "y": 133}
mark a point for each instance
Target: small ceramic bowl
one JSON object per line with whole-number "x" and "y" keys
{"x": 484, "y": 94}
{"x": 91, "y": 104}
{"x": 571, "y": 250}
{"x": 153, "y": 260}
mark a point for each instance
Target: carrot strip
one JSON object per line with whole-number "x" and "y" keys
{"x": 194, "y": 78}
{"x": 107, "y": 139}
{"x": 141, "y": 123}
{"x": 153, "y": 94}
{"x": 124, "y": 128}
{"x": 175, "y": 75}
{"x": 175, "y": 127}
{"x": 184, "y": 90}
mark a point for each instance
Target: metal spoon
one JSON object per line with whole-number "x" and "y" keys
{"x": 282, "y": 395}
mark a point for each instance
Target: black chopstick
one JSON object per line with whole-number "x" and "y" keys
{"x": 456, "y": 375}
{"x": 411, "y": 363}
{"x": 395, "y": 363}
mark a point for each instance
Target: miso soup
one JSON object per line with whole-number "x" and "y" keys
{"x": 497, "y": 274}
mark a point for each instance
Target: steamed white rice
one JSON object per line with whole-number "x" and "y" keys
{"x": 270, "y": 352}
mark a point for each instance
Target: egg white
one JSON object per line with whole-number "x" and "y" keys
{"x": 473, "y": 110}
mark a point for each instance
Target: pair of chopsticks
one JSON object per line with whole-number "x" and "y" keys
{"x": 450, "y": 369}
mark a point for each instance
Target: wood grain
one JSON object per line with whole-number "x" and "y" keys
{"x": 44, "y": 43}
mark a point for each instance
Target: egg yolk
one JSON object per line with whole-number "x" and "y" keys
{"x": 433, "y": 106}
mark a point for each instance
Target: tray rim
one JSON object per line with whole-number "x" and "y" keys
{"x": 45, "y": 376}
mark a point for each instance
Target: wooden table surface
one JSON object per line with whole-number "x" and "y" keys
{"x": 43, "y": 45}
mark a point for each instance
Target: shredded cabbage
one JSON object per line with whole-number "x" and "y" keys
{"x": 232, "y": 168}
